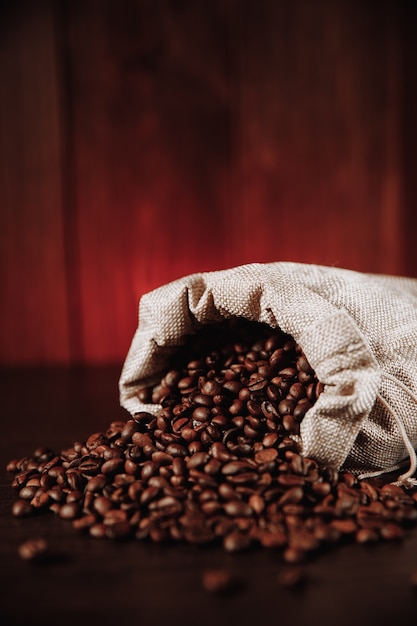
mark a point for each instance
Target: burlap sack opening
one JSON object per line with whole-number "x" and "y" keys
{"x": 358, "y": 331}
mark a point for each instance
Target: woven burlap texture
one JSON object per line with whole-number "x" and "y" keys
{"x": 358, "y": 331}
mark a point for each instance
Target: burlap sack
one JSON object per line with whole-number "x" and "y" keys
{"x": 358, "y": 331}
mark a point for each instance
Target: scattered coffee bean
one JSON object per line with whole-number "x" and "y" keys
{"x": 21, "y": 508}
{"x": 218, "y": 580}
{"x": 292, "y": 577}
{"x": 33, "y": 549}
{"x": 219, "y": 461}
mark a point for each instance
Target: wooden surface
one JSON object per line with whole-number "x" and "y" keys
{"x": 100, "y": 582}
{"x": 142, "y": 141}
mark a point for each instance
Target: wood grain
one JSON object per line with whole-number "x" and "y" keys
{"x": 33, "y": 293}
{"x": 143, "y": 141}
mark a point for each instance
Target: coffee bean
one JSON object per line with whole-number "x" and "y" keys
{"x": 272, "y": 537}
{"x": 219, "y": 451}
{"x": 294, "y": 555}
{"x": 218, "y": 580}
{"x": 33, "y": 549}
{"x": 21, "y": 508}
{"x": 69, "y": 511}
{"x": 118, "y": 530}
{"x": 102, "y": 505}
{"x": 197, "y": 460}
{"x": 301, "y": 409}
{"x": 235, "y": 467}
{"x": 89, "y": 466}
{"x": 366, "y": 535}
{"x": 286, "y": 407}
{"x": 238, "y": 508}
{"x": 27, "y": 492}
{"x": 211, "y": 388}
{"x": 391, "y": 531}
{"x": 292, "y": 577}
{"x": 236, "y": 541}
{"x": 83, "y": 523}
{"x": 266, "y": 456}
{"x": 218, "y": 461}
{"x": 98, "y": 531}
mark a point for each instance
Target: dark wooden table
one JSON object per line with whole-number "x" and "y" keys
{"x": 101, "y": 582}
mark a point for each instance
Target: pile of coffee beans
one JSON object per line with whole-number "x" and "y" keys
{"x": 218, "y": 460}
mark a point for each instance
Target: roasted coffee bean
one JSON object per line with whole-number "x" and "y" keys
{"x": 74, "y": 478}
{"x": 211, "y": 388}
{"x": 102, "y": 505}
{"x": 69, "y": 511}
{"x": 21, "y": 508}
{"x": 201, "y": 414}
{"x": 270, "y": 439}
{"x": 98, "y": 531}
{"x": 35, "y": 549}
{"x": 366, "y": 535}
{"x": 227, "y": 492}
{"x": 234, "y": 467}
{"x": 321, "y": 489}
{"x": 118, "y": 530}
{"x": 277, "y": 359}
{"x": 219, "y": 451}
{"x": 391, "y": 531}
{"x": 83, "y": 523}
{"x": 213, "y": 467}
{"x": 294, "y": 555}
{"x": 197, "y": 460}
{"x": 266, "y": 456}
{"x": 218, "y": 459}
{"x": 286, "y": 407}
{"x": 236, "y": 541}
{"x": 95, "y": 483}
{"x": 27, "y": 492}
{"x": 238, "y": 508}
{"x": 89, "y": 466}
{"x": 218, "y": 580}
{"x": 257, "y": 503}
{"x": 292, "y": 577}
{"x": 257, "y": 381}
{"x": 112, "y": 466}
{"x": 303, "y": 405}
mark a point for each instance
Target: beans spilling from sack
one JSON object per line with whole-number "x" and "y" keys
{"x": 219, "y": 461}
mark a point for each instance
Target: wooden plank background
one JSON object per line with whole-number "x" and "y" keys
{"x": 144, "y": 140}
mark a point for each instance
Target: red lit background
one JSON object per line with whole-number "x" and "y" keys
{"x": 144, "y": 140}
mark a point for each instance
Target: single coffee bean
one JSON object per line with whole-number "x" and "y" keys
{"x": 238, "y": 508}
{"x": 69, "y": 511}
{"x": 218, "y": 580}
{"x": 292, "y": 577}
{"x": 21, "y": 508}
{"x": 98, "y": 531}
{"x": 102, "y": 505}
{"x": 118, "y": 530}
{"x": 294, "y": 555}
{"x": 197, "y": 460}
{"x": 236, "y": 541}
{"x": 366, "y": 535}
{"x": 83, "y": 523}
{"x": 266, "y": 456}
{"x": 27, "y": 492}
